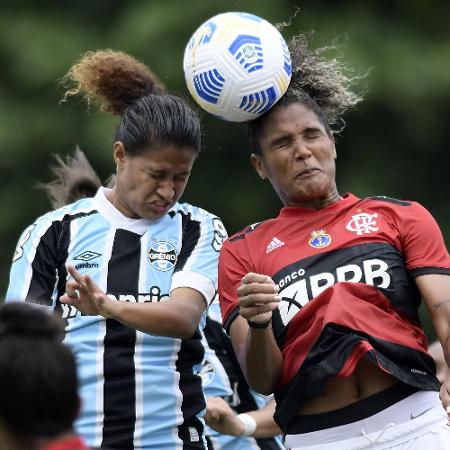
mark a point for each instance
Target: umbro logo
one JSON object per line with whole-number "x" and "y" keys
{"x": 87, "y": 256}
{"x": 274, "y": 244}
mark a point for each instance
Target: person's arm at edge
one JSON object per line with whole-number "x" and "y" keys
{"x": 435, "y": 291}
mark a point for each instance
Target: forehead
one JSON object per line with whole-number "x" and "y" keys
{"x": 167, "y": 158}
{"x": 293, "y": 117}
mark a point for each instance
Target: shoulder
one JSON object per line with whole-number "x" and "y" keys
{"x": 194, "y": 211}
{"x": 199, "y": 217}
{"x": 251, "y": 232}
{"x": 388, "y": 201}
{"x": 67, "y": 213}
{"x": 401, "y": 208}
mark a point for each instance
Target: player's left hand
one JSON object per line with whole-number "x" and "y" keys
{"x": 86, "y": 296}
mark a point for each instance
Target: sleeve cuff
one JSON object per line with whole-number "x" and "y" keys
{"x": 195, "y": 281}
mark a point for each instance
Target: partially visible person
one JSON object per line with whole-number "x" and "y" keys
{"x": 437, "y": 353}
{"x": 321, "y": 302}
{"x": 234, "y": 411}
{"x": 38, "y": 382}
{"x": 131, "y": 270}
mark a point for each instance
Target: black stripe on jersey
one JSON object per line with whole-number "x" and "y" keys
{"x": 241, "y": 234}
{"x": 382, "y": 198}
{"x": 340, "y": 266}
{"x": 230, "y": 319}
{"x": 190, "y": 238}
{"x": 210, "y": 444}
{"x": 48, "y": 265}
{"x": 268, "y": 444}
{"x": 119, "y": 346}
{"x": 330, "y": 353}
{"x": 429, "y": 270}
{"x": 191, "y": 353}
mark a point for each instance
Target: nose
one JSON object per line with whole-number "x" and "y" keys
{"x": 301, "y": 150}
{"x": 166, "y": 190}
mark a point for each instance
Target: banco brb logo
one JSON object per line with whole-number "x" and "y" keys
{"x": 162, "y": 256}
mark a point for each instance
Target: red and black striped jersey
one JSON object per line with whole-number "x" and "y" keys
{"x": 346, "y": 278}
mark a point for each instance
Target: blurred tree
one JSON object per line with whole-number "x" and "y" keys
{"x": 395, "y": 144}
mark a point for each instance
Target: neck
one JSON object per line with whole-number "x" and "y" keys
{"x": 317, "y": 203}
{"x": 120, "y": 206}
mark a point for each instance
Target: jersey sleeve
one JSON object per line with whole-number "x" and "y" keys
{"x": 34, "y": 274}
{"x": 423, "y": 244}
{"x": 233, "y": 265}
{"x": 196, "y": 266}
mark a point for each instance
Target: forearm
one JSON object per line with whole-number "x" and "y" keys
{"x": 160, "y": 319}
{"x": 263, "y": 360}
{"x": 265, "y": 423}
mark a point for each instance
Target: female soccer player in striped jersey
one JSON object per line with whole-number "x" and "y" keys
{"x": 227, "y": 393}
{"x": 143, "y": 268}
{"x": 322, "y": 301}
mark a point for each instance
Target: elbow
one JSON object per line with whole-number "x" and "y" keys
{"x": 187, "y": 329}
{"x": 262, "y": 386}
{"x": 263, "y": 389}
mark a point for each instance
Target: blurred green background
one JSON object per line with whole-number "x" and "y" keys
{"x": 396, "y": 143}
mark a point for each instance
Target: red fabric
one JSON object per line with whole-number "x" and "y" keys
{"x": 353, "y": 305}
{"x": 71, "y": 443}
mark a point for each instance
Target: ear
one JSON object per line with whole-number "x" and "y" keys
{"x": 119, "y": 153}
{"x": 258, "y": 164}
{"x": 333, "y": 149}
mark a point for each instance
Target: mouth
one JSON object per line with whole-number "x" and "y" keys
{"x": 309, "y": 171}
{"x": 160, "y": 208}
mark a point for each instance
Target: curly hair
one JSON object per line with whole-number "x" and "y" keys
{"x": 111, "y": 79}
{"x": 123, "y": 86}
{"x": 322, "y": 83}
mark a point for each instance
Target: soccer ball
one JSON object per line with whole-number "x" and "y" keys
{"x": 237, "y": 66}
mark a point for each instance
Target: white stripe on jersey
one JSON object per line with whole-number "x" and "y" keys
{"x": 139, "y": 377}
{"x": 99, "y": 386}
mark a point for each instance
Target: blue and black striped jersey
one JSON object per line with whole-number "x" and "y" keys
{"x": 139, "y": 391}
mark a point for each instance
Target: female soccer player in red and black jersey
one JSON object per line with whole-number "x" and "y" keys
{"x": 322, "y": 301}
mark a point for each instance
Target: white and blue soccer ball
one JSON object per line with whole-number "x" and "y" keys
{"x": 237, "y": 66}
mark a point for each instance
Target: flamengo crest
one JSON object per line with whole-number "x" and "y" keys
{"x": 363, "y": 223}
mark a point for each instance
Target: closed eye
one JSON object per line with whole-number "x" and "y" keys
{"x": 281, "y": 142}
{"x": 312, "y": 133}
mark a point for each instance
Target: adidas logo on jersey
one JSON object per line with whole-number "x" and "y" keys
{"x": 274, "y": 244}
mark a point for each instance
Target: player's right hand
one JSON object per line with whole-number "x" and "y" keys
{"x": 257, "y": 297}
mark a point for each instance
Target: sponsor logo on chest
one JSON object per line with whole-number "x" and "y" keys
{"x": 297, "y": 288}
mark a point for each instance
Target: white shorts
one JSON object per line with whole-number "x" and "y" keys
{"x": 418, "y": 422}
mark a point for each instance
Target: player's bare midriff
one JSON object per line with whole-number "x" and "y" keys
{"x": 366, "y": 380}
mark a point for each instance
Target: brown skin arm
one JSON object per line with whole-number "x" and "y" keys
{"x": 256, "y": 349}
{"x": 179, "y": 317}
{"x": 435, "y": 290}
{"x": 223, "y": 419}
